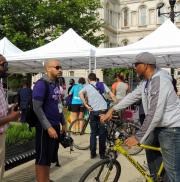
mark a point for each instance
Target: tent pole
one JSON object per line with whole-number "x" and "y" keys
{"x": 95, "y": 64}
{"x": 89, "y": 64}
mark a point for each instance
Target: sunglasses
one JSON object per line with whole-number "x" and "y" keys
{"x": 4, "y": 65}
{"x": 136, "y": 64}
{"x": 57, "y": 67}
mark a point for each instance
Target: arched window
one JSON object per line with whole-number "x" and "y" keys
{"x": 124, "y": 42}
{"x": 71, "y": 73}
{"x": 125, "y": 17}
{"x": 142, "y": 16}
{"x": 118, "y": 21}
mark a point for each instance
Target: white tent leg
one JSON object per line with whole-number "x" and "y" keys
{"x": 89, "y": 64}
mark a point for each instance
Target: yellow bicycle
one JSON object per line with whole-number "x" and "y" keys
{"x": 109, "y": 169}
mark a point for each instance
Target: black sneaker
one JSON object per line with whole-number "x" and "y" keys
{"x": 93, "y": 156}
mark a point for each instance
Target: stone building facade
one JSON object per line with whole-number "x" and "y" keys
{"x": 128, "y": 21}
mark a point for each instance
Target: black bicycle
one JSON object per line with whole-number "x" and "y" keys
{"x": 79, "y": 130}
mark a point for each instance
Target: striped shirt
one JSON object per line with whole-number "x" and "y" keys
{"x": 3, "y": 106}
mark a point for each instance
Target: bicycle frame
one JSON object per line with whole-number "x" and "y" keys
{"x": 117, "y": 147}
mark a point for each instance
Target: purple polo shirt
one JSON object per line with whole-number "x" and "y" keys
{"x": 50, "y": 100}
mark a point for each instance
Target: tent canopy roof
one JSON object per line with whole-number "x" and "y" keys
{"x": 70, "y": 48}
{"x": 7, "y": 48}
{"x": 164, "y": 43}
{"x": 74, "y": 52}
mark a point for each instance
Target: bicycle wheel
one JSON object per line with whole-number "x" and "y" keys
{"x": 80, "y": 134}
{"x": 130, "y": 129}
{"x": 107, "y": 170}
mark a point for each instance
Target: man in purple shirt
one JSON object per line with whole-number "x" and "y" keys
{"x": 47, "y": 105}
{"x": 5, "y": 116}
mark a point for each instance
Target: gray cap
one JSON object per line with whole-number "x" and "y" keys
{"x": 146, "y": 58}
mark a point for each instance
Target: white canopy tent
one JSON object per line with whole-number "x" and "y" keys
{"x": 73, "y": 51}
{"x": 164, "y": 43}
{"x": 7, "y": 48}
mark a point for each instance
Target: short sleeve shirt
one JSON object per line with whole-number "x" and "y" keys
{"x": 50, "y": 100}
{"x": 3, "y": 106}
{"x": 75, "y": 91}
{"x": 95, "y": 99}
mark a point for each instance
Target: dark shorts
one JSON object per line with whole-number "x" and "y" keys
{"x": 77, "y": 108}
{"x": 46, "y": 147}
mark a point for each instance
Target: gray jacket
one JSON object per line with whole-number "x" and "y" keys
{"x": 160, "y": 102}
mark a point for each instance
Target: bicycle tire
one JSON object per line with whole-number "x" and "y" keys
{"x": 130, "y": 129}
{"x": 103, "y": 164}
{"x": 80, "y": 136}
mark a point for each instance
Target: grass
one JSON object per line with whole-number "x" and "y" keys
{"x": 19, "y": 133}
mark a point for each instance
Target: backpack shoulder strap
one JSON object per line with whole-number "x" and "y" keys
{"x": 46, "y": 83}
{"x": 99, "y": 92}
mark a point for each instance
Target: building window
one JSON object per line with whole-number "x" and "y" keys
{"x": 142, "y": 16}
{"x": 119, "y": 20}
{"x": 151, "y": 17}
{"x": 125, "y": 17}
{"x": 124, "y": 42}
{"x": 134, "y": 18}
{"x": 71, "y": 73}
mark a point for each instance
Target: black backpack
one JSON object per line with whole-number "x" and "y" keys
{"x": 31, "y": 117}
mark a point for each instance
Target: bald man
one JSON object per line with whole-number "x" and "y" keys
{"x": 48, "y": 107}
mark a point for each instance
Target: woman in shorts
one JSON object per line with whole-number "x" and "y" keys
{"x": 77, "y": 107}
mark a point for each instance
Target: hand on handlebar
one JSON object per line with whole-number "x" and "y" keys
{"x": 131, "y": 141}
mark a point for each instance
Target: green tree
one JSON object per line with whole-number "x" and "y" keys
{"x": 32, "y": 23}
{"x": 109, "y": 75}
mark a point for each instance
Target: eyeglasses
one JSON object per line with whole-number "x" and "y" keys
{"x": 57, "y": 67}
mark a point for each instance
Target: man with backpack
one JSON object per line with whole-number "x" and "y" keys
{"x": 96, "y": 105}
{"x": 47, "y": 105}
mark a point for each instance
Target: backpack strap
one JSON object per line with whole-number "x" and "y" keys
{"x": 99, "y": 93}
{"x": 46, "y": 83}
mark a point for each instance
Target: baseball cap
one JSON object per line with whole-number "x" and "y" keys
{"x": 145, "y": 58}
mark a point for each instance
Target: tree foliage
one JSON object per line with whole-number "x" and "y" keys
{"x": 109, "y": 74}
{"x": 32, "y": 23}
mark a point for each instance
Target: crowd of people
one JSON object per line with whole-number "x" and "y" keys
{"x": 160, "y": 125}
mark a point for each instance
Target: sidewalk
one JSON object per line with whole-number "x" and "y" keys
{"x": 72, "y": 167}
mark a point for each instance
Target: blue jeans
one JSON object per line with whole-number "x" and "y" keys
{"x": 169, "y": 139}
{"x": 97, "y": 129}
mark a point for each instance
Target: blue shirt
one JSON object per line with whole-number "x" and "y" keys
{"x": 25, "y": 95}
{"x": 50, "y": 100}
{"x": 75, "y": 92}
{"x": 95, "y": 99}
